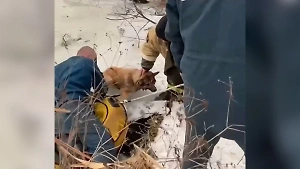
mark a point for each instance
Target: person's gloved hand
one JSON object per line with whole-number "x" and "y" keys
{"x": 146, "y": 65}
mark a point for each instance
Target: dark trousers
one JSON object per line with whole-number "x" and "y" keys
{"x": 208, "y": 102}
{"x": 84, "y": 125}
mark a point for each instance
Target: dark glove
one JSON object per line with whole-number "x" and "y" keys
{"x": 173, "y": 76}
{"x": 147, "y": 65}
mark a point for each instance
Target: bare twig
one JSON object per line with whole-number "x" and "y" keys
{"x": 64, "y": 41}
{"x": 141, "y": 13}
{"x": 61, "y": 110}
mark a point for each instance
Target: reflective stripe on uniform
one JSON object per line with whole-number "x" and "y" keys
{"x": 175, "y": 89}
{"x": 149, "y": 58}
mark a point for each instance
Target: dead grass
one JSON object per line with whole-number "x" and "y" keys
{"x": 146, "y": 132}
{"x": 73, "y": 158}
{"x": 154, "y": 124}
{"x": 139, "y": 146}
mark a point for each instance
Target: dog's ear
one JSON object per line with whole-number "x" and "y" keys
{"x": 155, "y": 73}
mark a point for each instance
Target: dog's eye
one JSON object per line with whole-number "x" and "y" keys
{"x": 140, "y": 83}
{"x": 152, "y": 80}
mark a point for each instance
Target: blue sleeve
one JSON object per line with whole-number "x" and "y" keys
{"x": 98, "y": 78}
{"x": 173, "y": 31}
{"x": 99, "y": 83}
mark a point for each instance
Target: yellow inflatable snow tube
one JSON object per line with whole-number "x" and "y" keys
{"x": 57, "y": 167}
{"x": 113, "y": 116}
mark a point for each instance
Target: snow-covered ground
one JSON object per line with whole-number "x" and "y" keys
{"x": 96, "y": 23}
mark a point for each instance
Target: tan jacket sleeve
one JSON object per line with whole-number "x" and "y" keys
{"x": 149, "y": 50}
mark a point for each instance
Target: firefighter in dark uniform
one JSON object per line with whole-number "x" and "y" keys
{"x": 206, "y": 43}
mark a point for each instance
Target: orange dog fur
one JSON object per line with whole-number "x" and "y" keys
{"x": 129, "y": 80}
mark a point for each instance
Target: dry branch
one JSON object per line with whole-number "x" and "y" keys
{"x": 61, "y": 110}
{"x": 141, "y": 160}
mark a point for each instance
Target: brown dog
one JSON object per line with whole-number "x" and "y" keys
{"x": 129, "y": 80}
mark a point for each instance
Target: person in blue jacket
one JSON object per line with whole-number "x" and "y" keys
{"x": 208, "y": 45}
{"x": 74, "y": 79}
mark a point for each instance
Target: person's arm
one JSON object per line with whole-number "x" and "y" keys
{"x": 99, "y": 84}
{"x": 150, "y": 53}
{"x": 173, "y": 31}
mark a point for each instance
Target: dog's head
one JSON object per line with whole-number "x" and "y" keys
{"x": 147, "y": 81}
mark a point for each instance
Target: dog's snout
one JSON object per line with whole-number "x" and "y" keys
{"x": 153, "y": 89}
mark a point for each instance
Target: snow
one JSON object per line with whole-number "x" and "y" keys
{"x": 84, "y": 23}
